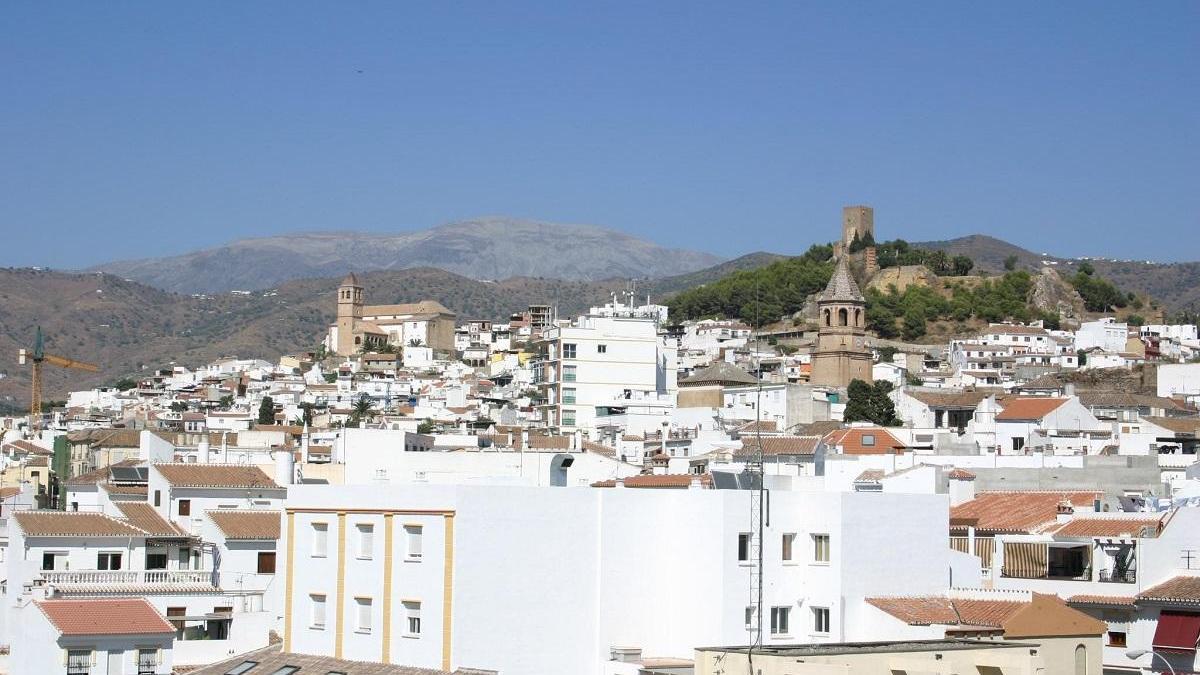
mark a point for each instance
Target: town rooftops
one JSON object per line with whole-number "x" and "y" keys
{"x": 215, "y": 476}
{"x": 1188, "y": 426}
{"x": 73, "y": 524}
{"x": 957, "y": 400}
{"x": 102, "y": 474}
{"x": 269, "y": 660}
{"x": 1028, "y": 409}
{"x": 106, "y": 438}
{"x": 1179, "y": 590}
{"x": 26, "y": 447}
{"x": 247, "y": 525}
{"x": 850, "y": 648}
{"x": 105, "y": 616}
{"x": 779, "y": 445}
{"x": 1015, "y": 512}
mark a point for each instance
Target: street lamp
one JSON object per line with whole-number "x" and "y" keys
{"x": 1136, "y": 654}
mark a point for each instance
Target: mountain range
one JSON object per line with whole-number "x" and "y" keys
{"x": 481, "y": 248}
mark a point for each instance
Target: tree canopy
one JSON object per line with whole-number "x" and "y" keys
{"x": 870, "y": 403}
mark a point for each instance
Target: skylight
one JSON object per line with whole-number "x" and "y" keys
{"x": 242, "y": 668}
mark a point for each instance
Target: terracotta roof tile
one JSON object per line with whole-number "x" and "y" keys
{"x": 960, "y": 400}
{"x": 101, "y": 474}
{"x": 779, "y": 445}
{"x": 1112, "y": 600}
{"x": 1109, "y": 527}
{"x": 215, "y": 475}
{"x": 270, "y": 659}
{"x": 854, "y": 441}
{"x": 143, "y": 516}
{"x": 1183, "y": 589}
{"x": 247, "y": 525}
{"x": 1015, "y": 511}
{"x": 26, "y": 447}
{"x": 1028, "y": 408}
{"x": 104, "y": 616}
{"x": 1041, "y": 616}
{"x": 73, "y": 524}
{"x": 669, "y": 481}
{"x": 599, "y": 448}
{"x": 961, "y": 474}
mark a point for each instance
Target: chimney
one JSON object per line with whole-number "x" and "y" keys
{"x": 696, "y": 483}
{"x": 224, "y": 447}
{"x": 620, "y": 482}
{"x": 202, "y": 449}
{"x": 1064, "y": 511}
{"x": 626, "y": 654}
{"x": 962, "y": 487}
{"x": 1069, "y": 389}
{"x": 577, "y": 440}
{"x": 525, "y": 439}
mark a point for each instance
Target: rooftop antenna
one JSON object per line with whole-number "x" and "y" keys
{"x": 757, "y": 492}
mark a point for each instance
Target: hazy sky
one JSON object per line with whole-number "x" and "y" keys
{"x": 134, "y": 129}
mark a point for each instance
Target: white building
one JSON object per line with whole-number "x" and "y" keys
{"x": 1105, "y": 333}
{"x": 427, "y": 576}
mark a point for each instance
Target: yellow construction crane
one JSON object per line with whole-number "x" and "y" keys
{"x": 37, "y": 356}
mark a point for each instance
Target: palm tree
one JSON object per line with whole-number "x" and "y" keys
{"x": 361, "y": 410}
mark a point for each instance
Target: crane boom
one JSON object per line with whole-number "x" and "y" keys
{"x": 63, "y": 362}
{"x": 36, "y": 357}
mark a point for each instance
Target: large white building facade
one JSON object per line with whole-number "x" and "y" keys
{"x": 432, "y": 576}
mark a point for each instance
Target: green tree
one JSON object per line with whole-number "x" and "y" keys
{"x": 266, "y": 411}
{"x": 125, "y": 384}
{"x": 1010, "y": 263}
{"x": 226, "y": 402}
{"x": 425, "y": 427}
{"x": 178, "y": 406}
{"x": 962, "y": 265}
{"x": 870, "y": 403}
{"x": 1135, "y": 320}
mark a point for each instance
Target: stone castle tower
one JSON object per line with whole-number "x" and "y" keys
{"x": 857, "y": 220}
{"x": 349, "y": 313}
{"x": 841, "y": 354}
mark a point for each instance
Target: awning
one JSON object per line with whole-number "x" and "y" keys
{"x": 1026, "y": 560}
{"x": 1177, "y": 632}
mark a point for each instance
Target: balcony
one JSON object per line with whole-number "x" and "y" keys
{"x": 181, "y": 578}
{"x": 1118, "y": 576}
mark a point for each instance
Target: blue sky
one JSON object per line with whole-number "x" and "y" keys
{"x": 137, "y": 129}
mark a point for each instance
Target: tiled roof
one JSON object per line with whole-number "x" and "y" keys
{"x": 669, "y": 480}
{"x": 1016, "y": 511}
{"x": 539, "y": 442}
{"x": 143, "y": 516}
{"x": 238, "y": 524}
{"x": 599, "y": 448}
{"x": 1042, "y": 616}
{"x": 410, "y": 308}
{"x": 765, "y": 426}
{"x": 101, "y": 474}
{"x": 852, "y": 441}
{"x": 73, "y": 524}
{"x": 1014, "y": 329}
{"x": 1109, "y": 527}
{"x": 215, "y": 475}
{"x": 779, "y": 445}
{"x": 1111, "y": 600}
{"x": 1028, "y": 408}
{"x": 720, "y": 372}
{"x": 1183, "y": 589}
{"x": 26, "y": 447}
{"x": 120, "y": 489}
{"x": 104, "y": 616}
{"x": 842, "y": 287}
{"x": 961, "y": 474}
{"x": 271, "y": 659}
{"x": 960, "y": 400}
{"x": 107, "y": 438}
{"x": 870, "y": 476}
{"x": 1179, "y": 425}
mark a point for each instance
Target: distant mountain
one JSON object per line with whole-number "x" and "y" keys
{"x": 1176, "y": 286}
{"x": 483, "y": 248}
{"x": 682, "y": 282}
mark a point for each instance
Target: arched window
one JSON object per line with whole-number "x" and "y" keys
{"x": 358, "y": 340}
{"x": 843, "y": 316}
{"x": 1081, "y": 660}
{"x": 858, "y": 318}
{"x": 827, "y": 317}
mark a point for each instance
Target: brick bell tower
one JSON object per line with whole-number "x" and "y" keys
{"x": 841, "y": 354}
{"x": 349, "y": 313}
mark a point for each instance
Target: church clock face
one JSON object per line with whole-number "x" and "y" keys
{"x": 859, "y": 342}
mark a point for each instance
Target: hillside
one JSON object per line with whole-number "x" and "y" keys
{"x": 482, "y": 248}
{"x": 125, "y": 326}
{"x": 1175, "y": 286}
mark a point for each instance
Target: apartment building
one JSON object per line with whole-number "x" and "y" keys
{"x": 426, "y": 577}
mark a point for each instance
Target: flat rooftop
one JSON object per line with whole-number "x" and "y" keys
{"x": 845, "y": 648}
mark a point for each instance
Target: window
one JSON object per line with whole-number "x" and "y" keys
{"x": 743, "y": 550}
{"x": 366, "y": 541}
{"x": 316, "y": 604}
{"x": 788, "y": 540}
{"x": 287, "y": 670}
{"x": 820, "y": 548}
{"x": 868, "y": 440}
{"x": 569, "y": 350}
{"x": 363, "y": 622}
{"x": 751, "y": 616}
{"x": 108, "y": 561}
{"x": 568, "y": 373}
{"x": 779, "y": 620}
{"x": 158, "y": 497}
{"x": 1081, "y": 660}
{"x": 601, "y": 349}
{"x": 413, "y": 535}
{"x": 320, "y": 543}
{"x": 568, "y": 395}
{"x": 79, "y": 661}
{"x": 1116, "y": 638}
{"x": 54, "y": 561}
{"x": 412, "y": 611}
{"x": 156, "y": 561}
{"x": 821, "y": 620}
{"x": 185, "y": 507}
{"x": 241, "y": 668}
{"x": 266, "y": 562}
{"x": 1018, "y": 443}
{"x": 147, "y": 661}
{"x": 174, "y": 616}
{"x": 568, "y": 418}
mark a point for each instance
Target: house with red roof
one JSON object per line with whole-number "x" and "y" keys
{"x": 91, "y": 635}
{"x": 1022, "y": 425}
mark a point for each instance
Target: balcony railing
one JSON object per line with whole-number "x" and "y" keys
{"x": 1118, "y": 576}
{"x": 131, "y": 577}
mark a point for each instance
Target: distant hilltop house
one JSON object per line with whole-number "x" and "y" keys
{"x": 362, "y": 327}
